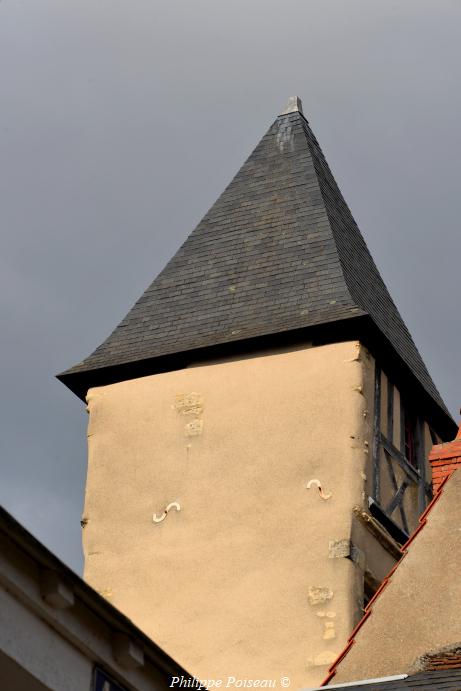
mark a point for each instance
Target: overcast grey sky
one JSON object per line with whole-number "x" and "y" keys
{"x": 121, "y": 122}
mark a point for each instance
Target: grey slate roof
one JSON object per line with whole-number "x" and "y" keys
{"x": 440, "y": 680}
{"x": 278, "y": 251}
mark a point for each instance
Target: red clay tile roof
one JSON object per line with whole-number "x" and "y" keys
{"x": 386, "y": 581}
{"x": 445, "y": 661}
{"x": 444, "y": 459}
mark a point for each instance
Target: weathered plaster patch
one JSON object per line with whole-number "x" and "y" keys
{"x": 194, "y": 428}
{"x": 329, "y": 631}
{"x": 346, "y": 549}
{"x": 189, "y": 403}
{"x": 318, "y": 595}
{"x": 322, "y": 613}
{"x": 356, "y": 358}
{"x": 323, "y": 659}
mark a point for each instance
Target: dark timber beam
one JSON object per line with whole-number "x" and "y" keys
{"x": 377, "y": 434}
{"x": 412, "y": 473}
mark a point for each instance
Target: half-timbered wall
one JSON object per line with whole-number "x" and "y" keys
{"x": 401, "y": 486}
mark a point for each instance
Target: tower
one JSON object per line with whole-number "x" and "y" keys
{"x": 259, "y": 423}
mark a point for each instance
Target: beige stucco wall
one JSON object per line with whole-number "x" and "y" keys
{"x": 419, "y": 610}
{"x": 223, "y": 585}
{"x": 54, "y": 631}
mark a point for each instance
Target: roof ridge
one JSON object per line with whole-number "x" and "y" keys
{"x": 344, "y": 227}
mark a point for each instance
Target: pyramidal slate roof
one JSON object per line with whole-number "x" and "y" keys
{"x": 278, "y": 251}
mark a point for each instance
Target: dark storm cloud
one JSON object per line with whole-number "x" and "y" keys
{"x": 121, "y": 122}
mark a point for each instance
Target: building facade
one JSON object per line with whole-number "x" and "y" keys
{"x": 258, "y": 433}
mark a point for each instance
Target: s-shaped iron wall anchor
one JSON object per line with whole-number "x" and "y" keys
{"x": 158, "y": 519}
{"x": 318, "y": 484}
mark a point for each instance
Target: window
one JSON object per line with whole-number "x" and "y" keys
{"x": 409, "y": 439}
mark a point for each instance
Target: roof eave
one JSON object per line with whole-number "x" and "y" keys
{"x": 80, "y": 380}
{"x": 358, "y": 327}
